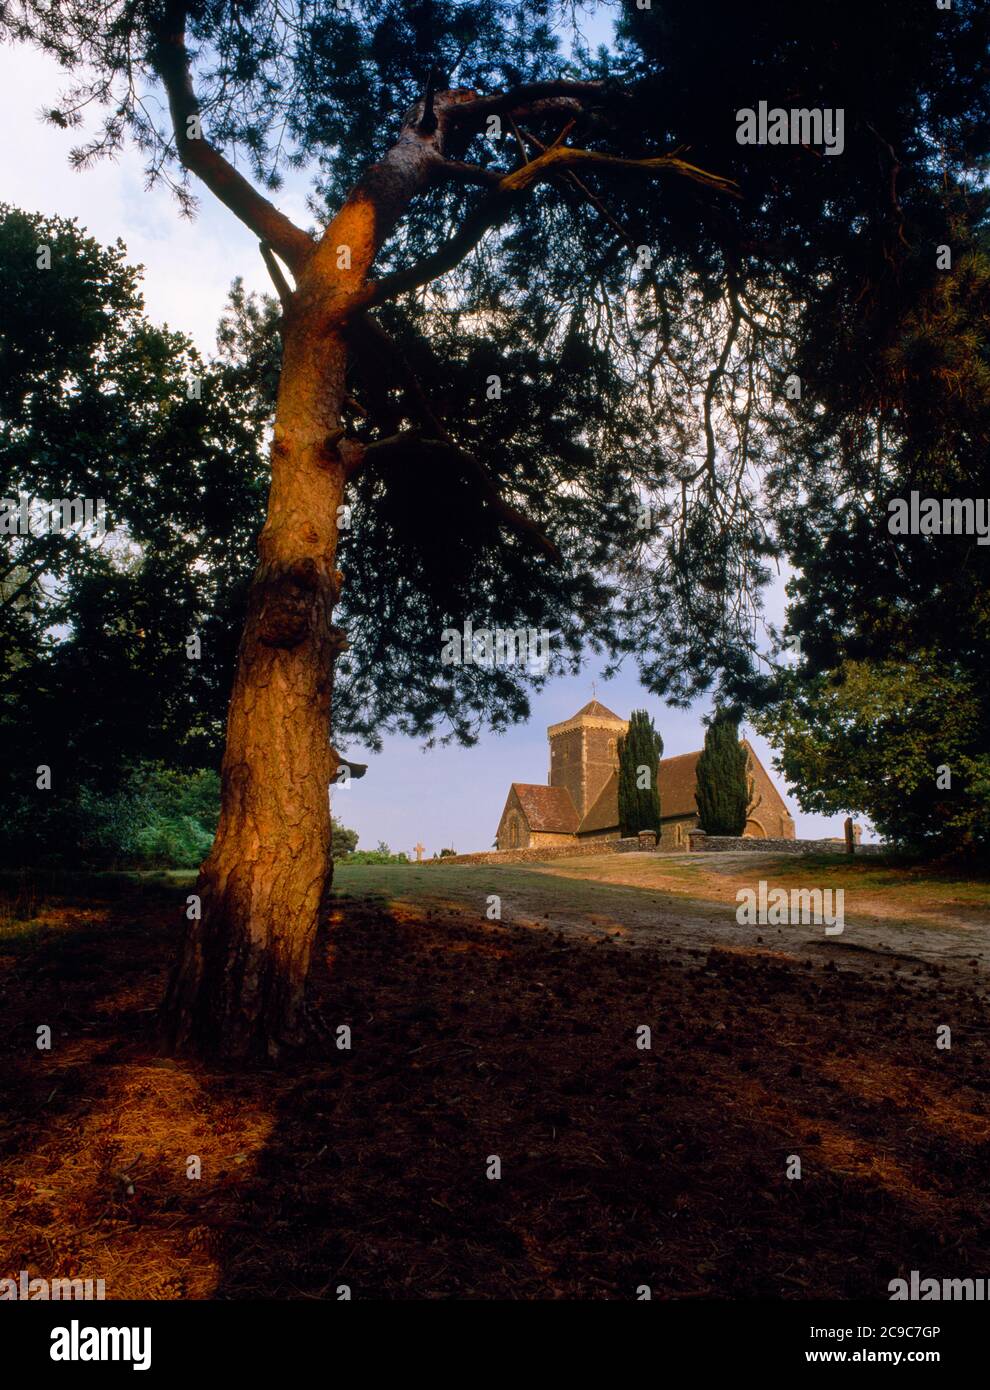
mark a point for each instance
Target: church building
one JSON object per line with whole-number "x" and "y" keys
{"x": 581, "y": 799}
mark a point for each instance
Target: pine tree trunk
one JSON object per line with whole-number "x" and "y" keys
{"x": 238, "y": 988}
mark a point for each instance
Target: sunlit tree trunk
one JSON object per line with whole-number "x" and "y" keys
{"x": 238, "y": 987}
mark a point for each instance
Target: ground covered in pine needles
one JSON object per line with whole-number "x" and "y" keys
{"x": 621, "y": 1166}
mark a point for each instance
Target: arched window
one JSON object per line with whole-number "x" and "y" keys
{"x": 514, "y": 833}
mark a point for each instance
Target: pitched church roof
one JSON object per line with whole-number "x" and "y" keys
{"x": 549, "y": 809}
{"x": 604, "y": 812}
{"x": 677, "y": 779}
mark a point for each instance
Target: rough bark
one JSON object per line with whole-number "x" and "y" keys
{"x": 238, "y": 988}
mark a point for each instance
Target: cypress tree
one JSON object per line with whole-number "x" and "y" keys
{"x": 640, "y": 749}
{"x": 722, "y": 791}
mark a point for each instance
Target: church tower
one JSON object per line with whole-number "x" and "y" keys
{"x": 584, "y": 752}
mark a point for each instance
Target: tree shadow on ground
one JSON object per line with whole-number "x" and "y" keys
{"x": 619, "y": 1166}
{"x": 371, "y": 1166}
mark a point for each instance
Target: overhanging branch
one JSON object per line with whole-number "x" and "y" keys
{"x": 171, "y": 61}
{"x": 552, "y": 161}
{"x": 560, "y": 157}
{"x": 581, "y": 186}
{"x": 489, "y": 214}
{"x": 380, "y": 450}
{"x": 275, "y": 271}
{"x": 527, "y": 100}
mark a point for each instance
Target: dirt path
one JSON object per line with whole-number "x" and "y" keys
{"x": 677, "y": 902}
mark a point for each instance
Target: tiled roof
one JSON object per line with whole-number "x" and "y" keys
{"x": 677, "y": 783}
{"x": 549, "y": 809}
{"x": 598, "y": 710}
{"x": 604, "y": 811}
{"x": 678, "y": 778}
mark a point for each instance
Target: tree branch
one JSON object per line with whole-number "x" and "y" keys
{"x": 6, "y": 599}
{"x": 520, "y": 143}
{"x": 557, "y": 159}
{"x": 527, "y": 100}
{"x": 275, "y": 271}
{"x": 171, "y": 61}
{"x": 444, "y": 443}
{"x": 428, "y": 122}
{"x": 459, "y": 172}
{"x": 361, "y": 455}
{"x": 560, "y": 157}
{"x": 583, "y": 189}
{"x": 489, "y": 214}
{"x": 510, "y": 516}
{"x": 382, "y": 342}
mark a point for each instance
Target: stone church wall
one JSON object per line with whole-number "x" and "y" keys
{"x": 582, "y": 759}
{"x": 767, "y": 814}
{"x": 674, "y": 833}
{"x": 525, "y": 856}
{"x": 720, "y": 844}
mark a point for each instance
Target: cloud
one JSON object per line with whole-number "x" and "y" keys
{"x": 188, "y": 265}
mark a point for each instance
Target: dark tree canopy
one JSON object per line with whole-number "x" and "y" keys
{"x": 622, "y": 385}
{"x": 888, "y": 710}
{"x": 95, "y": 404}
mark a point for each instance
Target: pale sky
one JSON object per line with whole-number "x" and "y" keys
{"x": 443, "y": 797}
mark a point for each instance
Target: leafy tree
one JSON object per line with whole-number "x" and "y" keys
{"x": 95, "y": 670}
{"x": 345, "y": 841}
{"x": 625, "y": 381}
{"x": 640, "y": 750}
{"x": 903, "y": 742}
{"x": 722, "y": 788}
{"x": 867, "y": 603}
{"x": 151, "y": 815}
{"x": 381, "y": 855}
